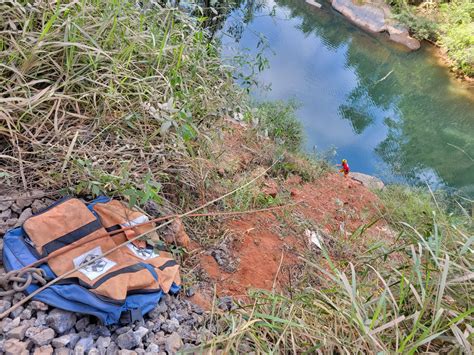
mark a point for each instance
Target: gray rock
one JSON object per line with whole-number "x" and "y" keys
{"x": 18, "y": 332}
{"x": 5, "y": 204}
{"x": 376, "y": 16}
{"x": 61, "y": 321}
{"x": 66, "y": 340}
{"x": 26, "y": 314}
{"x": 153, "y": 348}
{"x": 170, "y": 325}
{"x": 38, "y": 206}
{"x": 40, "y": 336}
{"x": 225, "y": 303}
{"x": 4, "y": 305}
{"x": 40, "y": 319}
{"x": 83, "y": 345}
{"x": 38, "y": 306}
{"x": 122, "y": 330}
{"x": 127, "y": 352}
{"x": 141, "y": 332}
{"x": 27, "y": 213}
{"x": 368, "y": 181}
{"x": 6, "y": 214}
{"x": 62, "y": 351}
{"x": 44, "y": 350}
{"x": 9, "y": 223}
{"x": 128, "y": 340}
{"x": 26, "y": 199}
{"x": 15, "y": 208}
{"x": 112, "y": 349}
{"x": 187, "y": 334}
{"x": 150, "y": 325}
{"x": 159, "y": 309}
{"x": 16, "y": 312}
{"x": 8, "y": 324}
{"x": 196, "y": 309}
{"x": 173, "y": 343}
{"x": 93, "y": 351}
{"x": 159, "y": 338}
{"x": 197, "y": 320}
{"x": 82, "y": 323}
{"x": 181, "y": 315}
{"x": 190, "y": 292}
{"x": 15, "y": 347}
{"x": 103, "y": 342}
{"x": 102, "y": 331}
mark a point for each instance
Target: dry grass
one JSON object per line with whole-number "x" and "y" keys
{"x": 102, "y": 96}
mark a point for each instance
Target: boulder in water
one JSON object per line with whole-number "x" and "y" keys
{"x": 375, "y": 16}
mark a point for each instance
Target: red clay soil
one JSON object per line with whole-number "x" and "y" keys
{"x": 267, "y": 246}
{"x": 336, "y": 204}
{"x": 259, "y": 251}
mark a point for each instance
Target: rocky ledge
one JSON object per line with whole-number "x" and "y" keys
{"x": 376, "y": 16}
{"x": 368, "y": 181}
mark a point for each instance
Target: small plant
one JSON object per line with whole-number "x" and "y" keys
{"x": 305, "y": 166}
{"x": 277, "y": 120}
{"x": 421, "y": 26}
{"x": 101, "y": 183}
{"x": 410, "y": 205}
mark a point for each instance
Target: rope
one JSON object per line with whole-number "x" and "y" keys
{"x": 98, "y": 257}
{"x": 20, "y": 280}
{"x": 152, "y": 221}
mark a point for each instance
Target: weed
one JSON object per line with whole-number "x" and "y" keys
{"x": 277, "y": 119}
{"x": 422, "y": 303}
{"x": 102, "y": 183}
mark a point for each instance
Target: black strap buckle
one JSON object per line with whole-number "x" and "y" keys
{"x": 130, "y": 316}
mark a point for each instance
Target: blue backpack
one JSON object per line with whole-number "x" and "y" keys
{"x": 123, "y": 287}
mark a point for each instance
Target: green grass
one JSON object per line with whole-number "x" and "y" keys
{"x": 449, "y": 23}
{"x": 416, "y": 297}
{"x": 278, "y": 120}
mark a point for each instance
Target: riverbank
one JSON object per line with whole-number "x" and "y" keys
{"x": 376, "y": 16}
{"x": 310, "y": 226}
{"x": 448, "y": 29}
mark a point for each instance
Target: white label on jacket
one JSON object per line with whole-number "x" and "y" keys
{"x": 142, "y": 253}
{"x": 97, "y": 268}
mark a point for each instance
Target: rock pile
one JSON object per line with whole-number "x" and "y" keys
{"x": 175, "y": 324}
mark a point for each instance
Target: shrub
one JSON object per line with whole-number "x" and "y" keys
{"x": 420, "y": 26}
{"x": 278, "y": 120}
{"x": 457, "y": 33}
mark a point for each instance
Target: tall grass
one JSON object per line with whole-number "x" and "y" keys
{"x": 417, "y": 297}
{"x": 106, "y": 83}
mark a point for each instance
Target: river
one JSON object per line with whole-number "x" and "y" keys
{"x": 391, "y": 113}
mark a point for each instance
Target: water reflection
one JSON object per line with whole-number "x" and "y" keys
{"x": 391, "y": 113}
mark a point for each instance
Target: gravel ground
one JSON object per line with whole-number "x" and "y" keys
{"x": 175, "y": 324}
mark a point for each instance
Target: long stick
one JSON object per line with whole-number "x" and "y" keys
{"x": 98, "y": 257}
{"x": 151, "y": 221}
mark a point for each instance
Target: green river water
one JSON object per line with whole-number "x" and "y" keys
{"x": 394, "y": 114}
